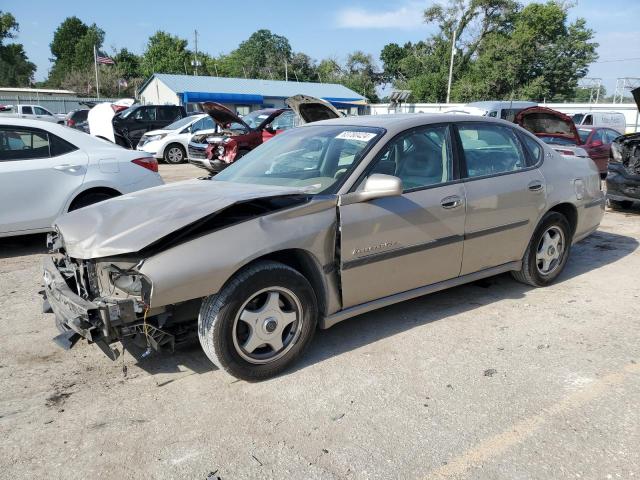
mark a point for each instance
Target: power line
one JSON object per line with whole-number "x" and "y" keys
{"x": 619, "y": 60}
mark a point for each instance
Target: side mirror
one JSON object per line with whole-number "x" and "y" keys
{"x": 377, "y": 185}
{"x": 597, "y": 143}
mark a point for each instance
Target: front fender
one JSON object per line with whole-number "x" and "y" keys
{"x": 200, "y": 267}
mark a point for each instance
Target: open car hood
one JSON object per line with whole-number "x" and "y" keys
{"x": 311, "y": 109}
{"x": 542, "y": 121}
{"x": 221, "y": 114}
{"x": 131, "y": 222}
{"x": 636, "y": 96}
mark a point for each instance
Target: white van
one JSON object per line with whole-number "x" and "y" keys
{"x": 506, "y": 110}
{"x": 614, "y": 120}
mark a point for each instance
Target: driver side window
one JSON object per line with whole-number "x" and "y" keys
{"x": 420, "y": 158}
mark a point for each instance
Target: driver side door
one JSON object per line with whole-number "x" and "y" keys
{"x": 395, "y": 244}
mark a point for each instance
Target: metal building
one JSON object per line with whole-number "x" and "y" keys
{"x": 240, "y": 94}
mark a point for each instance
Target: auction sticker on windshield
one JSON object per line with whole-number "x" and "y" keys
{"x": 351, "y": 135}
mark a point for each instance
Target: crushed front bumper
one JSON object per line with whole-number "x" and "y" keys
{"x": 622, "y": 185}
{"x": 99, "y": 322}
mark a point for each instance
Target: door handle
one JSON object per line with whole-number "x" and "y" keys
{"x": 68, "y": 168}
{"x": 536, "y": 186}
{"x": 451, "y": 202}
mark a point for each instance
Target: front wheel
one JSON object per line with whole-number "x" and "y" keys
{"x": 174, "y": 154}
{"x": 260, "y": 322}
{"x": 547, "y": 252}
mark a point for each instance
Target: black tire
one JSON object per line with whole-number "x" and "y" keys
{"x": 530, "y": 273}
{"x": 84, "y": 200}
{"x": 218, "y": 319}
{"x": 172, "y": 159}
{"x": 620, "y": 204}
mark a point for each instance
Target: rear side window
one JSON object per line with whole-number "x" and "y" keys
{"x": 533, "y": 147}
{"x": 490, "y": 149}
{"x": 30, "y": 144}
{"x": 145, "y": 114}
{"x": 169, "y": 113}
{"x": 27, "y": 111}
{"x": 611, "y": 135}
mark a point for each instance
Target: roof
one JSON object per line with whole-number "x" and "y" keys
{"x": 248, "y": 86}
{"x": 45, "y": 91}
{"x": 402, "y": 121}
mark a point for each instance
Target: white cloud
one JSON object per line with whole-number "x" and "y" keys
{"x": 408, "y": 16}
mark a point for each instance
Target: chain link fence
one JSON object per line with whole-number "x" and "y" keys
{"x": 62, "y": 104}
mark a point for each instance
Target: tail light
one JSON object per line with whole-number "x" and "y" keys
{"x": 149, "y": 163}
{"x": 118, "y": 108}
{"x": 70, "y": 123}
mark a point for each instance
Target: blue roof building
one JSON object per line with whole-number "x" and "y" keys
{"x": 241, "y": 94}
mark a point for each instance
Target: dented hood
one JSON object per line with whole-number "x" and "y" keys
{"x": 131, "y": 222}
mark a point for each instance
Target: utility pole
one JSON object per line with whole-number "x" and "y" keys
{"x": 196, "y": 63}
{"x": 453, "y": 52}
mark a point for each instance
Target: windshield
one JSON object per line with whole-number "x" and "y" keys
{"x": 254, "y": 119}
{"x": 577, "y": 118}
{"x": 183, "y": 122}
{"x": 316, "y": 157}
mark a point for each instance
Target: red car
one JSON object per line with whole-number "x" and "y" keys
{"x": 597, "y": 142}
{"x": 234, "y": 137}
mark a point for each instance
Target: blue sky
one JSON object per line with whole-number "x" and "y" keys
{"x": 331, "y": 28}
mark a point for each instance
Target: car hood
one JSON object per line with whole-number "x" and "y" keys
{"x": 547, "y": 122}
{"x": 131, "y": 222}
{"x": 221, "y": 114}
{"x": 157, "y": 132}
{"x": 311, "y": 109}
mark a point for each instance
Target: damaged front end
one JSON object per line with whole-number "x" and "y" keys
{"x": 104, "y": 301}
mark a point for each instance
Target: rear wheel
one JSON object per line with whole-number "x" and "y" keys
{"x": 174, "y": 154}
{"x": 547, "y": 252}
{"x": 620, "y": 204}
{"x": 90, "y": 198}
{"x": 260, "y": 322}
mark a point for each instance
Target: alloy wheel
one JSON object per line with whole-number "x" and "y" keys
{"x": 267, "y": 325}
{"x": 550, "y": 251}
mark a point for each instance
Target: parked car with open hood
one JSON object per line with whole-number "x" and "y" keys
{"x": 323, "y": 222}
{"x": 48, "y": 169}
{"x": 554, "y": 128}
{"x": 171, "y": 142}
{"x": 234, "y": 137}
{"x": 126, "y": 126}
{"x": 623, "y": 176}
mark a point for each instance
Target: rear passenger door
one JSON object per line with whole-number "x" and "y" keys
{"x": 505, "y": 192}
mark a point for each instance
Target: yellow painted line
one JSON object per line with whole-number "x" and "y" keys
{"x": 497, "y": 444}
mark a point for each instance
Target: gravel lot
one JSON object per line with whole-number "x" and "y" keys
{"x": 492, "y": 380}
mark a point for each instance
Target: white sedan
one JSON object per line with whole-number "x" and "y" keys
{"x": 170, "y": 143}
{"x": 48, "y": 169}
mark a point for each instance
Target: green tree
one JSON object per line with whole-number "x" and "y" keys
{"x": 262, "y": 55}
{"x": 165, "y": 53}
{"x": 72, "y": 48}
{"x": 361, "y": 75}
{"x": 15, "y": 68}
{"x": 129, "y": 63}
